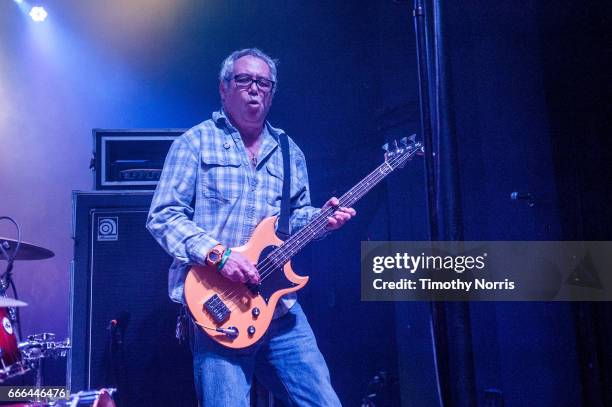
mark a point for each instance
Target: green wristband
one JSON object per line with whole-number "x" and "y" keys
{"x": 226, "y": 255}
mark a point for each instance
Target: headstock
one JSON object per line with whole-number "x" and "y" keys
{"x": 396, "y": 154}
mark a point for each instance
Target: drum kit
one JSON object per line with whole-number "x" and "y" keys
{"x": 18, "y": 358}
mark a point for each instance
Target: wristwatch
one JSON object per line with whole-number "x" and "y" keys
{"x": 214, "y": 255}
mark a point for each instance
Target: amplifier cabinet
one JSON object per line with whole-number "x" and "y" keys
{"x": 122, "y": 323}
{"x": 130, "y": 159}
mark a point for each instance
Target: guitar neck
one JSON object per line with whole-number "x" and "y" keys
{"x": 317, "y": 224}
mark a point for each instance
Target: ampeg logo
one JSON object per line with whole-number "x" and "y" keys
{"x": 108, "y": 229}
{"x": 6, "y": 324}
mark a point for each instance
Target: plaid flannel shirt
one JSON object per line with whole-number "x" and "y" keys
{"x": 209, "y": 194}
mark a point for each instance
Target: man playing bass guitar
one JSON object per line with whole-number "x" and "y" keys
{"x": 220, "y": 179}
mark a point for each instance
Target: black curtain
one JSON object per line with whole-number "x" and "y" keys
{"x": 451, "y": 320}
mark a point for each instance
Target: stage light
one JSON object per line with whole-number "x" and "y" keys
{"x": 38, "y": 14}
{"x": 18, "y": 1}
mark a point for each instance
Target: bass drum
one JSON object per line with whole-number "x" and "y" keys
{"x": 11, "y": 364}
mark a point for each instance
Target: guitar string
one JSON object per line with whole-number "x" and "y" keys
{"x": 348, "y": 198}
{"x": 270, "y": 264}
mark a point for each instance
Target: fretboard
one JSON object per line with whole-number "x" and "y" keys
{"x": 315, "y": 227}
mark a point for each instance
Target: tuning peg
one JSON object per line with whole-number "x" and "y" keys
{"x": 404, "y": 142}
{"x": 412, "y": 138}
{"x": 388, "y": 153}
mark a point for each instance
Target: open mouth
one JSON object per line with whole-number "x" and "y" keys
{"x": 253, "y": 103}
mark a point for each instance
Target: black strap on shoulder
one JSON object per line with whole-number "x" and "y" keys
{"x": 282, "y": 230}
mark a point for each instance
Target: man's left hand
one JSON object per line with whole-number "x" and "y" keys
{"x": 340, "y": 217}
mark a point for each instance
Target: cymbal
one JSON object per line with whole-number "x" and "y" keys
{"x": 11, "y": 302}
{"x": 27, "y": 251}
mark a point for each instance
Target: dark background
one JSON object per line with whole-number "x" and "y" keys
{"x": 530, "y": 86}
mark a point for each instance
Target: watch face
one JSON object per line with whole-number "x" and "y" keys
{"x": 214, "y": 256}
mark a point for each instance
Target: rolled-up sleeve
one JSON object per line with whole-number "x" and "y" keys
{"x": 170, "y": 218}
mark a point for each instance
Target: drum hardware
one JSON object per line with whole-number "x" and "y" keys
{"x": 11, "y": 250}
{"x": 18, "y": 358}
{"x": 39, "y": 347}
{"x": 43, "y": 346}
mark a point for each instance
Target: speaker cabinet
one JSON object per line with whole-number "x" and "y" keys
{"x": 122, "y": 321}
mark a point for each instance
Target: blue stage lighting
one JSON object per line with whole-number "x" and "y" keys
{"x": 38, "y": 14}
{"x": 18, "y": 1}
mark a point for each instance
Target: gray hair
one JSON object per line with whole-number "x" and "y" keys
{"x": 227, "y": 66}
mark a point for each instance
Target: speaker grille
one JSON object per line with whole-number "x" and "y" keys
{"x": 120, "y": 273}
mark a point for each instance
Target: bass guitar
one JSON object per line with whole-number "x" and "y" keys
{"x": 236, "y": 314}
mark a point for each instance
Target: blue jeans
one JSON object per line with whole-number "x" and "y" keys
{"x": 286, "y": 361}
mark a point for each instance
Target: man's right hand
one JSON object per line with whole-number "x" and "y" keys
{"x": 238, "y": 268}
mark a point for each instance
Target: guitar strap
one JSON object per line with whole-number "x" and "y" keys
{"x": 282, "y": 231}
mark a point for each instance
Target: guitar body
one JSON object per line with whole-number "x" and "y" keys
{"x": 218, "y": 303}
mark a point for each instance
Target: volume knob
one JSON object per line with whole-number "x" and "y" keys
{"x": 255, "y": 312}
{"x": 251, "y": 330}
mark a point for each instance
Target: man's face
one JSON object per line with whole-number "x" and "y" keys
{"x": 247, "y": 106}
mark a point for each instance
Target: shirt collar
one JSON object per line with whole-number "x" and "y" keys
{"x": 221, "y": 119}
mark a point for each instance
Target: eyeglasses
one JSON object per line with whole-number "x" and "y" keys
{"x": 245, "y": 81}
